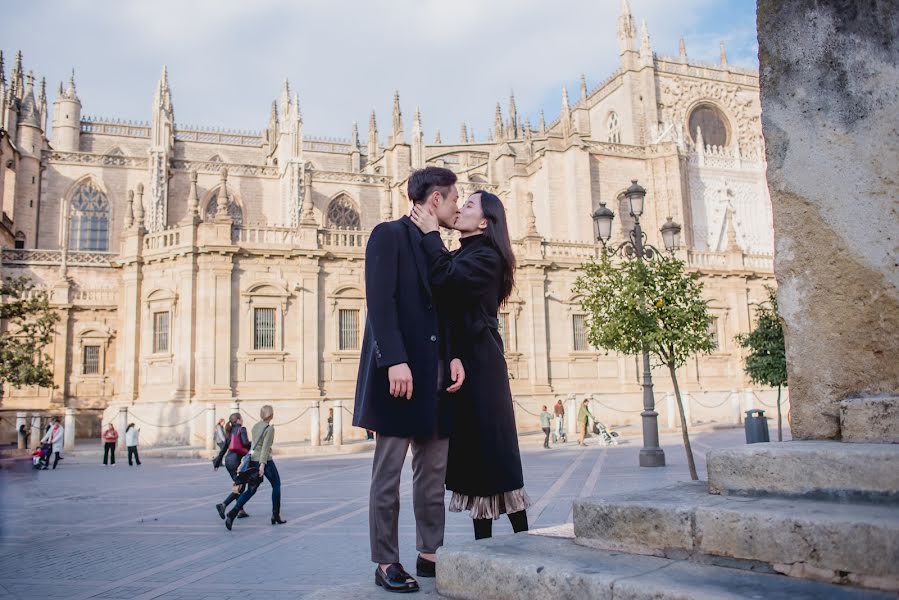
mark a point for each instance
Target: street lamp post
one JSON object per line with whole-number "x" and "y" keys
{"x": 636, "y": 246}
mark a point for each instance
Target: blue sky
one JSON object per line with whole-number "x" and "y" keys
{"x": 227, "y": 59}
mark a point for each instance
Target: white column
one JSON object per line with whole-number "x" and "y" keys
{"x": 210, "y": 426}
{"x": 315, "y": 424}
{"x": 571, "y": 415}
{"x": 20, "y": 420}
{"x": 671, "y": 409}
{"x": 235, "y": 407}
{"x": 687, "y": 400}
{"x": 338, "y": 422}
{"x": 735, "y": 407}
{"x": 36, "y": 432}
{"x": 123, "y": 423}
{"x": 69, "y": 426}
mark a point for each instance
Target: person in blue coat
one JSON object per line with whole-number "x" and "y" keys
{"x": 406, "y": 369}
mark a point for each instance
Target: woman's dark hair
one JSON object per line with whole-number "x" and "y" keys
{"x": 497, "y": 235}
{"x": 232, "y": 421}
{"x": 130, "y": 425}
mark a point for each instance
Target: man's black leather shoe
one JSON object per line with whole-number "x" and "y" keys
{"x": 425, "y": 567}
{"x": 396, "y": 579}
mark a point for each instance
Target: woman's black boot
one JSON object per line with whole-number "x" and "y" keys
{"x": 483, "y": 528}
{"x": 519, "y": 521}
{"x": 277, "y": 520}
{"x": 229, "y": 519}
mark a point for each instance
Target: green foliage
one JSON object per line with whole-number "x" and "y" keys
{"x": 653, "y": 302}
{"x": 29, "y": 323}
{"x": 766, "y": 362}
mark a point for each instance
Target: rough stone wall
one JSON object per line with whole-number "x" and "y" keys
{"x": 830, "y": 100}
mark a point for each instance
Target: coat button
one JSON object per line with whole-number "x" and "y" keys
{"x": 433, "y": 338}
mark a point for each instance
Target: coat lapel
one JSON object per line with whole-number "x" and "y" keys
{"x": 419, "y": 256}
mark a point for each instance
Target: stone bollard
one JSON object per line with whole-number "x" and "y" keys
{"x": 121, "y": 425}
{"x": 210, "y": 426}
{"x": 20, "y": 421}
{"x": 748, "y": 400}
{"x": 571, "y": 409}
{"x": 36, "y": 432}
{"x": 736, "y": 413}
{"x": 338, "y": 422}
{"x": 687, "y": 400}
{"x": 315, "y": 424}
{"x": 69, "y": 427}
{"x": 235, "y": 407}
{"x": 671, "y": 410}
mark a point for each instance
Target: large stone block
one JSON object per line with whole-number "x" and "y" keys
{"x": 870, "y": 420}
{"x": 532, "y": 567}
{"x": 828, "y": 541}
{"x": 816, "y": 469}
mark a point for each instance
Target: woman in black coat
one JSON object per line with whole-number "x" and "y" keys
{"x": 484, "y": 464}
{"x": 235, "y": 446}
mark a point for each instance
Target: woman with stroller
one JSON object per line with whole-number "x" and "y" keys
{"x": 584, "y": 416}
{"x": 484, "y": 464}
{"x": 53, "y": 438}
{"x": 234, "y": 447}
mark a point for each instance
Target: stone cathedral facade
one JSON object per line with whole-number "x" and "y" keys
{"x": 199, "y": 268}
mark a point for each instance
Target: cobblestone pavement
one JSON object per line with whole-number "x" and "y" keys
{"x": 119, "y": 532}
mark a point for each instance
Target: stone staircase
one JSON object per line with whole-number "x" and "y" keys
{"x": 783, "y": 520}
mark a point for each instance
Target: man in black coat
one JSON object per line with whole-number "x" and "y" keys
{"x": 406, "y": 366}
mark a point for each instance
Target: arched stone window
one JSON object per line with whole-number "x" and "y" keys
{"x": 712, "y": 122}
{"x": 613, "y": 125}
{"x": 342, "y": 214}
{"x": 89, "y": 219}
{"x": 234, "y": 209}
{"x": 20, "y": 240}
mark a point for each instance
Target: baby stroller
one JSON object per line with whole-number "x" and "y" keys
{"x": 606, "y": 437}
{"x": 39, "y": 455}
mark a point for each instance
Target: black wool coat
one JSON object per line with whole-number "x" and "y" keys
{"x": 403, "y": 325}
{"x": 483, "y": 452}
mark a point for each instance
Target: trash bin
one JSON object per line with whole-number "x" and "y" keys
{"x": 756, "y": 426}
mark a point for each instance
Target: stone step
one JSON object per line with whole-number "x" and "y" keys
{"x": 534, "y": 567}
{"x": 829, "y": 541}
{"x": 813, "y": 469}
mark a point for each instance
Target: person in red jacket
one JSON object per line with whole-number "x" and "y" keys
{"x": 110, "y": 437}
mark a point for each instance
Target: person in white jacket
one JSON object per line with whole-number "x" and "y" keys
{"x": 54, "y": 436}
{"x": 131, "y": 433}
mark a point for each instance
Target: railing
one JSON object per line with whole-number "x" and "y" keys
{"x": 342, "y": 239}
{"x": 161, "y": 240}
{"x": 18, "y": 256}
{"x": 573, "y": 250}
{"x": 232, "y": 138}
{"x": 96, "y": 296}
{"x": 723, "y": 261}
{"x": 759, "y": 262}
{"x": 266, "y": 236}
{"x": 118, "y": 127}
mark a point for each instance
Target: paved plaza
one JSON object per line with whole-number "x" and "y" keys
{"x": 89, "y": 531}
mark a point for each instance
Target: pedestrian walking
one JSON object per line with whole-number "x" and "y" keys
{"x": 559, "y": 412}
{"x": 330, "y": 436}
{"x": 220, "y": 434}
{"x": 54, "y": 438}
{"x": 235, "y": 445}
{"x": 584, "y": 416}
{"x": 25, "y": 434}
{"x": 131, "y": 434}
{"x": 545, "y": 423}
{"x": 110, "y": 437}
{"x": 261, "y": 455}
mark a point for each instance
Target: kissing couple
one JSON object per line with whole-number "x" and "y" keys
{"x": 433, "y": 376}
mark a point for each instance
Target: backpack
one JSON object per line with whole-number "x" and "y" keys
{"x": 236, "y": 446}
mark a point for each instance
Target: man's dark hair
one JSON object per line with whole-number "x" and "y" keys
{"x": 423, "y": 182}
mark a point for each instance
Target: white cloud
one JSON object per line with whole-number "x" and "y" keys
{"x": 227, "y": 58}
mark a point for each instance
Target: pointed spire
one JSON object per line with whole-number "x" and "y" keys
{"x": 372, "y": 137}
{"x": 682, "y": 50}
{"x": 139, "y": 207}
{"x": 296, "y": 104}
{"x": 222, "y": 201}
{"x": 17, "y": 79}
{"x": 541, "y": 126}
{"x": 625, "y": 9}
{"x": 397, "y": 130}
{"x": 193, "y": 199}
{"x": 700, "y": 143}
{"x": 416, "y": 124}
{"x": 565, "y": 116}
{"x": 527, "y": 129}
{"x": 354, "y": 136}
{"x": 645, "y": 45}
{"x": 437, "y": 139}
{"x": 284, "y": 99}
{"x": 463, "y": 134}
{"x": 42, "y": 95}
{"x": 2, "y": 69}
{"x": 498, "y": 123}
{"x": 583, "y": 87}
{"x": 723, "y": 53}
{"x": 513, "y": 116}
{"x": 129, "y": 210}
{"x": 627, "y": 31}
{"x": 530, "y": 216}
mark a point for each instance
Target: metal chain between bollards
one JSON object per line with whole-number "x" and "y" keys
{"x": 524, "y": 409}
{"x": 617, "y": 409}
{"x": 722, "y": 403}
{"x": 147, "y": 423}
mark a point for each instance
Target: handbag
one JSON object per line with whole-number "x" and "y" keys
{"x": 248, "y": 471}
{"x": 236, "y": 446}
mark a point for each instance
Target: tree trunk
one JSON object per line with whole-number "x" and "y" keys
{"x": 683, "y": 424}
{"x": 780, "y": 432}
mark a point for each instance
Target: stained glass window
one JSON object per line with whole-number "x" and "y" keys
{"x": 342, "y": 214}
{"x": 233, "y": 210}
{"x": 614, "y": 127}
{"x": 712, "y": 123}
{"x": 89, "y": 219}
